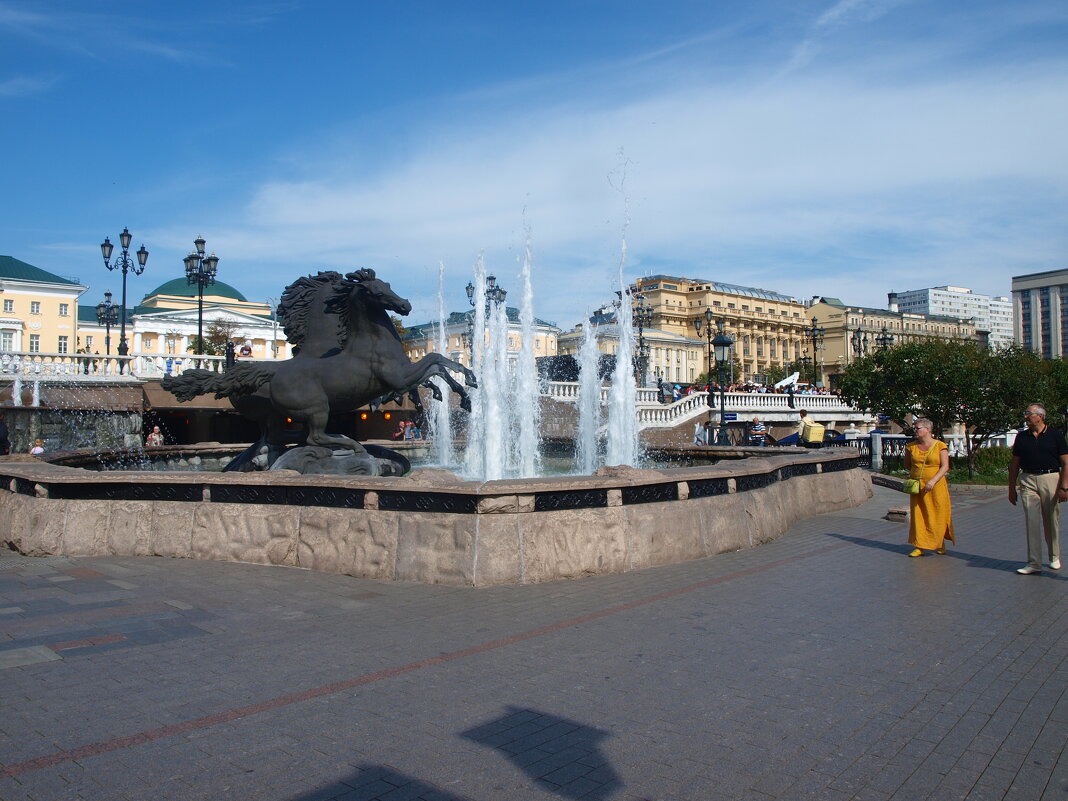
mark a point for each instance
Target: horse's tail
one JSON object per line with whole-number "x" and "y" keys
{"x": 241, "y": 379}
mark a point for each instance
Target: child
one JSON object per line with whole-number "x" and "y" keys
{"x": 38, "y": 447}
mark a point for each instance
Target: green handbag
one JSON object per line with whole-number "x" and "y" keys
{"x": 911, "y": 486}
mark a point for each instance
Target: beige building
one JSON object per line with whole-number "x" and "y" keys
{"x": 767, "y": 326}
{"x": 423, "y": 338}
{"x": 850, "y": 332}
{"x": 38, "y": 309}
{"x": 1040, "y": 312}
{"x": 165, "y": 322}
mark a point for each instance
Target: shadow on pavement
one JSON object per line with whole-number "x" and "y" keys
{"x": 371, "y": 782}
{"x": 560, "y": 755}
{"x": 972, "y": 559}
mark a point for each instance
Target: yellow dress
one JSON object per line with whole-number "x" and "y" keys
{"x": 930, "y": 518}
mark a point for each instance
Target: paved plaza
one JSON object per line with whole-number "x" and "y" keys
{"x": 824, "y": 665}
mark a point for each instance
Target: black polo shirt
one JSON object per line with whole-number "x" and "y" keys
{"x": 1042, "y": 452}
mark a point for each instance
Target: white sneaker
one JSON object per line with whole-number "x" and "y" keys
{"x": 1027, "y": 570}
{"x": 1055, "y": 564}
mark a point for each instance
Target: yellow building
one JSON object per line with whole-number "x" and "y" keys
{"x": 165, "y": 322}
{"x": 850, "y": 332}
{"x": 39, "y": 309}
{"x": 421, "y": 339}
{"x": 767, "y": 326}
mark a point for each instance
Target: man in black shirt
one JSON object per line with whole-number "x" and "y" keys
{"x": 1040, "y": 466}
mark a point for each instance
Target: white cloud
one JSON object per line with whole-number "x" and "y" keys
{"x": 803, "y": 188}
{"x": 25, "y": 86}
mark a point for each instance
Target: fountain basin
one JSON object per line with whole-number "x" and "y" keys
{"x": 428, "y": 527}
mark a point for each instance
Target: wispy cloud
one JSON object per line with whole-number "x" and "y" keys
{"x": 838, "y": 16}
{"x": 24, "y": 86}
{"x": 933, "y": 182}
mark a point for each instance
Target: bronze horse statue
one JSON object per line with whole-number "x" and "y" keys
{"x": 347, "y": 354}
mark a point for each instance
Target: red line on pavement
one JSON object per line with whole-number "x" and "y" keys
{"x": 102, "y": 640}
{"x": 151, "y": 735}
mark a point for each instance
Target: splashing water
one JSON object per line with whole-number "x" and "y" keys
{"x": 440, "y": 418}
{"x": 589, "y": 403}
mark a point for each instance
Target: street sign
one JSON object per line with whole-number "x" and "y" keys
{"x": 728, "y": 416}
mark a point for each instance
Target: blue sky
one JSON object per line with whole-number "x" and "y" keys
{"x": 842, "y": 148}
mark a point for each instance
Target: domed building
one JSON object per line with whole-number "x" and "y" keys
{"x": 164, "y": 323}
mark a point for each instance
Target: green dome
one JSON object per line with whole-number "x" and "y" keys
{"x": 182, "y": 288}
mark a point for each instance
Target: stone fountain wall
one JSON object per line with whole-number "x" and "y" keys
{"x": 429, "y": 527}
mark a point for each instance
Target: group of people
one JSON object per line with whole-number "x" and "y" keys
{"x": 407, "y": 430}
{"x": 1038, "y": 482}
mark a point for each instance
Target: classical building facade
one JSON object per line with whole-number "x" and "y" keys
{"x": 164, "y": 323}
{"x": 38, "y": 309}
{"x": 768, "y": 327}
{"x": 991, "y": 314}
{"x": 421, "y": 339}
{"x": 1040, "y": 312}
{"x": 850, "y": 332}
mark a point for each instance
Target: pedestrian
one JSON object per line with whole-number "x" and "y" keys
{"x": 1038, "y": 477}
{"x": 930, "y": 516}
{"x": 155, "y": 438}
{"x": 758, "y": 432}
{"x": 5, "y": 441}
{"x": 676, "y": 393}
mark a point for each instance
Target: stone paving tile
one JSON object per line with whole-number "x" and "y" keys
{"x": 822, "y": 665}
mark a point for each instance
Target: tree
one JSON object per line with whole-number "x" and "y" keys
{"x": 215, "y": 338}
{"x": 949, "y": 381}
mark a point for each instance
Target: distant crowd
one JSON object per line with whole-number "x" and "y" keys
{"x": 669, "y": 393}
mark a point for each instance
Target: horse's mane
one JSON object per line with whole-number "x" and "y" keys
{"x": 297, "y": 304}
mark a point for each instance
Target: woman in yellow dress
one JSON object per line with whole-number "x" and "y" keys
{"x": 930, "y": 517}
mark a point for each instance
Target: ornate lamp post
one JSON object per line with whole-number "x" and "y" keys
{"x": 107, "y": 314}
{"x": 884, "y": 339}
{"x": 643, "y": 318}
{"x": 720, "y": 346}
{"x": 200, "y": 270}
{"x": 816, "y": 334}
{"x": 127, "y": 265}
{"x": 859, "y": 341}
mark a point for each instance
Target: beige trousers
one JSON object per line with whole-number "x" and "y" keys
{"x": 1038, "y": 496}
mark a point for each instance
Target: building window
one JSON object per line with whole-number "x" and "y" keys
{"x": 64, "y": 310}
{"x": 147, "y": 343}
{"x": 35, "y": 307}
{"x": 35, "y": 343}
{"x": 9, "y": 305}
{"x": 7, "y": 340}
{"x": 88, "y": 341}
{"x": 61, "y": 345}
{"x": 745, "y": 346}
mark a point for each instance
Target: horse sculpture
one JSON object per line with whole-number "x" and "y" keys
{"x": 348, "y": 354}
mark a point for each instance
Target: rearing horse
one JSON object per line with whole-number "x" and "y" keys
{"x": 350, "y": 355}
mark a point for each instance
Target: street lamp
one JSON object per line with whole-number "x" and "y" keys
{"x": 720, "y": 346}
{"x": 884, "y": 339}
{"x": 860, "y": 343}
{"x": 127, "y": 265}
{"x": 643, "y": 318}
{"x": 494, "y": 293}
{"x": 200, "y": 270}
{"x": 107, "y": 314}
{"x": 816, "y": 334}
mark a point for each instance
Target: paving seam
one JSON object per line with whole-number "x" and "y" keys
{"x": 270, "y": 704}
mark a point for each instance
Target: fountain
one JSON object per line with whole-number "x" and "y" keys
{"x": 430, "y": 526}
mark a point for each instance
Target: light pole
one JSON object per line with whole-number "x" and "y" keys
{"x": 127, "y": 265}
{"x": 107, "y": 314}
{"x": 884, "y": 339}
{"x": 200, "y": 270}
{"x": 816, "y": 334}
{"x": 273, "y": 303}
{"x": 859, "y": 341}
{"x": 719, "y": 345}
{"x": 643, "y": 318}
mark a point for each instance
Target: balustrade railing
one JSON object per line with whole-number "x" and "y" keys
{"x": 66, "y": 366}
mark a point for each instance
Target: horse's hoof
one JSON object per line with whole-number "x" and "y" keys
{"x": 465, "y": 404}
